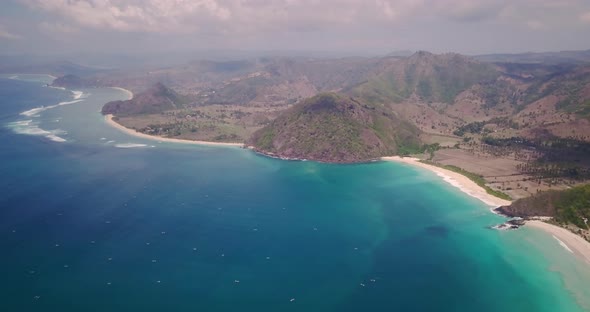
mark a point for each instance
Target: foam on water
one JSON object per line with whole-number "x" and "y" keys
{"x": 35, "y": 111}
{"x": 42, "y": 78}
{"x": 29, "y": 127}
{"x": 129, "y": 145}
{"x": 55, "y": 138}
{"x": 70, "y": 102}
{"x": 458, "y": 185}
{"x": 79, "y": 94}
{"x": 563, "y": 244}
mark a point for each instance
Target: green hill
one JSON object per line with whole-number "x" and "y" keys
{"x": 73, "y": 82}
{"x": 433, "y": 78}
{"x": 156, "y": 99}
{"x": 567, "y": 206}
{"x": 335, "y": 128}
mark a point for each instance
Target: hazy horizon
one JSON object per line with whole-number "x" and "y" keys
{"x": 338, "y": 28}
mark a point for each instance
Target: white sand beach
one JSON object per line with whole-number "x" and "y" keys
{"x": 570, "y": 241}
{"x": 111, "y": 122}
{"x": 457, "y": 180}
{"x": 129, "y": 93}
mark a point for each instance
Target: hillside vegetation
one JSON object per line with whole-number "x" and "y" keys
{"x": 156, "y": 99}
{"x": 433, "y": 78}
{"x": 567, "y": 206}
{"x": 335, "y": 128}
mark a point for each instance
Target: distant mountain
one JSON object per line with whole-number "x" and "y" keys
{"x": 430, "y": 77}
{"x": 279, "y": 81}
{"x": 539, "y": 58}
{"x": 449, "y": 94}
{"x": 56, "y": 68}
{"x": 156, "y": 99}
{"x": 400, "y": 53}
{"x": 335, "y": 128}
{"x": 74, "y": 82}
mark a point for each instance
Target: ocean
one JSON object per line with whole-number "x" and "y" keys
{"x": 92, "y": 219}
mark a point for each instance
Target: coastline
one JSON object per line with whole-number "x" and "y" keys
{"x": 457, "y": 180}
{"x": 571, "y": 242}
{"x": 129, "y": 93}
{"x": 109, "y": 120}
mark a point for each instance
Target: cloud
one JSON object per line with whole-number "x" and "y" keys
{"x": 5, "y": 34}
{"x": 277, "y": 23}
{"x": 58, "y": 28}
{"x": 183, "y": 16}
{"x": 535, "y": 25}
{"x": 129, "y": 16}
{"x": 470, "y": 11}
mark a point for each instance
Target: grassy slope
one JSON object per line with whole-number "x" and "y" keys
{"x": 434, "y": 78}
{"x": 567, "y": 206}
{"x": 156, "y": 99}
{"x": 334, "y": 128}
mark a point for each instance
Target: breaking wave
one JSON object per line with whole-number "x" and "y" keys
{"x": 563, "y": 244}
{"x": 79, "y": 95}
{"x": 35, "y": 111}
{"x": 130, "y": 145}
{"x": 30, "y": 127}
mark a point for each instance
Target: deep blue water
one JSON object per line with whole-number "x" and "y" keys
{"x": 108, "y": 222}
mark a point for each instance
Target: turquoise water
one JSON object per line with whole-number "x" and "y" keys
{"x": 97, "y": 220}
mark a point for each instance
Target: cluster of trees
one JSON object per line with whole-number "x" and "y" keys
{"x": 571, "y": 206}
{"x": 554, "y": 170}
{"x": 166, "y": 130}
{"x": 545, "y": 158}
{"x": 474, "y": 127}
{"x": 478, "y": 127}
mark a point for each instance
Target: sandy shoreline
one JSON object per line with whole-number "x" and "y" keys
{"x": 455, "y": 179}
{"x": 129, "y": 93}
{"x": 111, "y": 122}
{"x": 570, "y": 241}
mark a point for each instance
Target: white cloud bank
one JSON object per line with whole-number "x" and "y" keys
{"x": 467, "y": 26}
{"x": 239, "y": 16}
{"x": 5, "y": 34}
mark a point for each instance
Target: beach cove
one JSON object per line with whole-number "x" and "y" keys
{"x": 109, "y": 221}
{"x": 571, "y": 242}
{"x": 464, "y": 184}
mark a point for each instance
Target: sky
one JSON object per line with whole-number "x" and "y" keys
{"x": 354, "y": 27}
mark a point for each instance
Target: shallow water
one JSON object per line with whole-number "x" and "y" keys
{"x": 103, "y": 221}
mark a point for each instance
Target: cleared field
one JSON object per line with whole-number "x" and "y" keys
{"x": 500, "y": 173}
